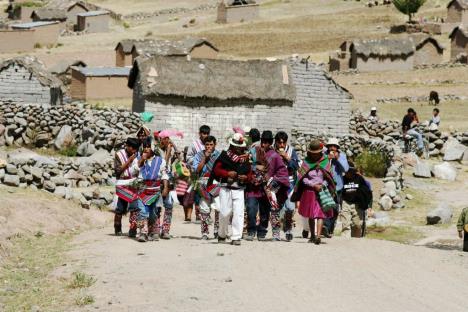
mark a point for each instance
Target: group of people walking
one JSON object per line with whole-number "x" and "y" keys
{"x": 258, "y": 182}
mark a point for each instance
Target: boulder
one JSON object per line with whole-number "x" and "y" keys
{"x": 442, "y": 214}
{"x": 11, "y": 169}
{"x": 86, "y": 149}
{"x": 37, "y": 173}
{"x": 386, "y": 202}
{"x": 64, "y": 137}
{"x": 42, "y": 139}
{"x": 453, "y": 150}
{"x": 49, "y": 186}
{"x": 445, "y": 171}
{"x": 422, "y": 169}
{"x": 11, "y": 180}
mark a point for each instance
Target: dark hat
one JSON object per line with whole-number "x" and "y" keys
{"x": 133, "y": 142}
{"x": 267, "y": 135}
{"x": 315, "y": 146}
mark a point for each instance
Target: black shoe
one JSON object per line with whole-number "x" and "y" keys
{"x": 215, "y": 235}
{"x": 312, "y": 239}
{"x": 261, "y": 238}
{"x": 305, "y": 234}
{"x": 221, "y": 239}
{"x": 236, "y": 242}
{"x": 317, "y": 241}
{"x": 326, "y": 233}
{"x": 289, "y": 237}
{"x": 118, "y": 230}
{"x": 132, "y": 233}
{"x": 165, "y": 236}
{"x": 249, "y": 237}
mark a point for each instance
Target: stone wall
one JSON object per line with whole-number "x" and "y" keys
{"x": 35, "y": 125}
{"x": 17, "y": 84}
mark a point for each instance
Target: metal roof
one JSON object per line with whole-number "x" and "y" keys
{"x": 33, "y": 24}
{"x": 93, "y": 13}
{"x": 103, "y": 71}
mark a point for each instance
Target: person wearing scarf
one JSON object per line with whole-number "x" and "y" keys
{"x": 291, "y": 160}
{"x": 202, "y": 165}
{"x": 125, "y": 169}
{"x": 313, "y": 175}
{"x": 153, "y": 173}
{"x": 233, "y": 170}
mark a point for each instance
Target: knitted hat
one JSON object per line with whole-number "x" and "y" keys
{"x": 315, "y": 146}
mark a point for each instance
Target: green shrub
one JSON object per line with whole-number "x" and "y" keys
{"x": 81, "y": 280}
{"x": 37, "y": 45}
{"x": 372, "y": 163}
{"x": 126, "y": 24}
{"x": 69, "y": 151}
{"x": 84, "y": 300}
{"x": 30, "y": 4}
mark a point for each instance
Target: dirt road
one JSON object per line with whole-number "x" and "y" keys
{"x": 185, "y": 274}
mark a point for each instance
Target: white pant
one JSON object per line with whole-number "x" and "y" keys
{"x": 206, "y": 207}
{"x": 231, "y": 203}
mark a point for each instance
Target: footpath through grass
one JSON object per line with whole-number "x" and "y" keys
{"x": 26, "y": 283}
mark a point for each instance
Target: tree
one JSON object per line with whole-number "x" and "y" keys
{"x": 408, "y": 7}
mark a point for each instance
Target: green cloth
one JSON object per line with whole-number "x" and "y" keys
{"x": 463, "y": 219}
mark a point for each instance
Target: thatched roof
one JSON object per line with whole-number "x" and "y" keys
{"x": 463, "y": 3}
{"x": 170, "y": 48}
{"x": 127, "y": 45}
{"x": 216, "y": 79}
{"x": 49, "y": 15}
{"x": 36, "y": 68}
{"x": 421, "y": 39}
{"x": 239, "y": 2}
{"x": 384, "y": 47}
{"x": 459, "y": 29}
{"x": 66, "y": 4}
{"x": 64, "y": 65}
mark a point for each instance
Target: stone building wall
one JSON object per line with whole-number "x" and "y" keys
{"x": 320, "y": 106}
{"x": 427, "y": 55}
{"x": 17, "y": 83}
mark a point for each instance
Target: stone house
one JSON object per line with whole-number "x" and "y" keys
{"x": 459, "y": 43}
{"x": 93, "y": 21}
{"x": 457, "y": 12}
{"x": 26, "y": 80}
{"x": 192, "y": 47}
{"x": 45, "y": 33}
{"x": 16, "y": 40}
{"x": 50, "y": 15}
{"x": 236, "y": 11}
{"x": 428, "y": 51}
{"x": 285, "y": 95}
{"x": 20, "y": 12}
{"x": 92, "y": 83}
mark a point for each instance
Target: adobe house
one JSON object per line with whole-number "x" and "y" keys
{"x": 45, "y": 33}
{"x": 457, "y": 12}
{"x": 382, "y": 54}
{"x": 193, "y": 47}
{"x": 123, "y": 53}
{"x": 50, "y": 15}
{"x": 459, "y": 43}
{"x": 16, "y": 40}
{"x": 72, "y": 8}
{"x": 428, "y": 51}
{"x": 91, "y": 83}
{"x": 235, "y": 11}
{"x": 26, "y": 80}
{"x": 288, "y": 95}
{"x": 93, "y": 21}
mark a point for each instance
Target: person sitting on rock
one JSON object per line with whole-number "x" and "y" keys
{"x": 462, "y": 227}
{"x": 435, "y": 120}
{"x": 373, "y": 115}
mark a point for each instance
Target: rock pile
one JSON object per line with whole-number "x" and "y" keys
{"x": 25, "y": 168}
{"x": 418, "y": 99}
{"x": 180, "y": 10}
{"x": 65, "y": 126}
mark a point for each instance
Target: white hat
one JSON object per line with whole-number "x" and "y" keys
{"x": 333, "y": 141}
{"x": 237, "y": 140}
{"x": 373, "y": 108}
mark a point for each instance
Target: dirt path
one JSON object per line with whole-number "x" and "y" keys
{"x": 185, "y": 274}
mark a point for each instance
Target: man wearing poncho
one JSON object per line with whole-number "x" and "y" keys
{"x": 202, "y": 165}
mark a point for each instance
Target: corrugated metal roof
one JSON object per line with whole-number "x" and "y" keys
{"x": 103, "y": 71}
{"x": 93, "y": 13}
{"x": 33, "y": 24}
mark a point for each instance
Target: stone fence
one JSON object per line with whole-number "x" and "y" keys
{"x": 65, "y": 126}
